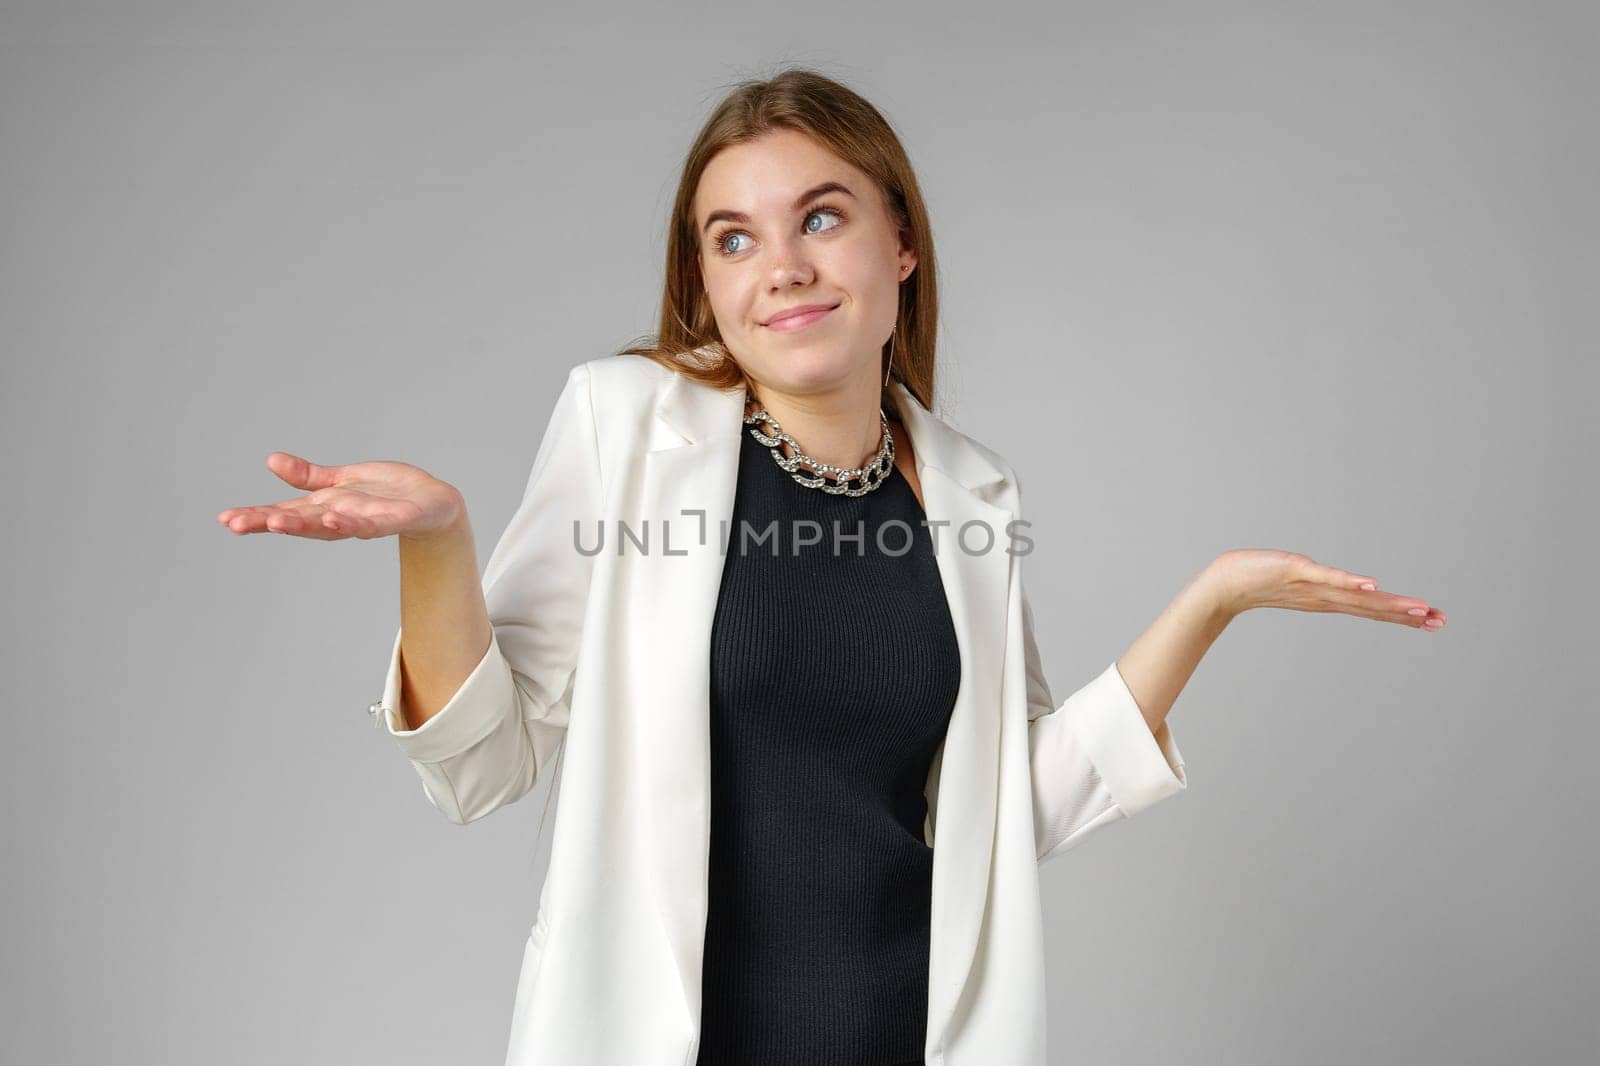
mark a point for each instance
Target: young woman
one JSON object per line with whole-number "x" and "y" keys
{"x": 772, "y": 607}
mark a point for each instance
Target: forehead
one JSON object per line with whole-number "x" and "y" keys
{"x": 767, "y": 173}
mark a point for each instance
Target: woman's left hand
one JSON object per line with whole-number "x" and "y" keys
{"x": 1246, "y": 578}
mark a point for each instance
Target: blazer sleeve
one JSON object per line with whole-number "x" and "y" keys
{"x": 1093, "y": 759}
{"x": 489, "y": 744}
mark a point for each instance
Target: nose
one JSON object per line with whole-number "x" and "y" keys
{"x": 789, "y": 264}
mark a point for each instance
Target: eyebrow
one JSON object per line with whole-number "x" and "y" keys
{"x": 800, "y": 201}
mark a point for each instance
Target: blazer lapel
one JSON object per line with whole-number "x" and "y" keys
{"x": 958, "y": 484}
{"x": 689, "y": 475}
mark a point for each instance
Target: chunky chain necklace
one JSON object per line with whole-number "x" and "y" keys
{"x": 819, "y": 475}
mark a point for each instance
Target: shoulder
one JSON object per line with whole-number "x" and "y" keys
{"x": 623, "y": 395}
{"x": 620, "y": 387}
{"x": 989, "y": 463}
{"x": 984, "y": 452}
{"x": 1010, "y": 490}
{"x": 960, "y": 454}
{"x": 626, "y": 372}
{"x": 604, "y": 411}
{"x": 621, "y": 377}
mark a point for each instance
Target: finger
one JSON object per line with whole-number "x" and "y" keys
{"x": 1385, "y": 607}
{"x": 327, "y": 518}
{"x": 231, "y": 513}
{"x": 345, "y": 524}
{"x": 1383, "y": 602}
{"x": 331, "y": 520}
{"x": 1346, "y": 579}
{"x": 1416, "y": 610}
{"x": 301, "y": 524}
{"x": 1421, "y": 617}
{"x": 256, "y": 510}
{"x": 302, "y": 473}
{"x": 1361, "y": 605}
{"x": 1398, "y": 618}
{"x": 272, "y": 518}
{"x": 300, "y": 517}
{"x": 245, "y": 519}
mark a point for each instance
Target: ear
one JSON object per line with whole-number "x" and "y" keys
{"x": 908, "y": 255}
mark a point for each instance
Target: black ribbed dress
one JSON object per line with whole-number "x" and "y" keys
{"x": 834, "y": 670}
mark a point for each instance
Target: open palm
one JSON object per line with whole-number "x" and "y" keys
{"x": 1268, "y": 577}
{"x": 361, "y": 500}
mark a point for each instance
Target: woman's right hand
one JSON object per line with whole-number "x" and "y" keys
{"x": 361, "y": 500}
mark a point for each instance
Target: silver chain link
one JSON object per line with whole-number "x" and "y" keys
{"x": 868, "y": 477}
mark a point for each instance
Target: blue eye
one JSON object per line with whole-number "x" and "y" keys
{"x": 820, "y": 211}
{"x": 719, "y": 241}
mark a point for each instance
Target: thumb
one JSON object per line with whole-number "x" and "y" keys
{"x": 301, "y": 473}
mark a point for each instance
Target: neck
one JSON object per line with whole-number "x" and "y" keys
{"x": 840, "y": 427}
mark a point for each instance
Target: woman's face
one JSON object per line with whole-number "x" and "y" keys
{"x": 783, "y": 222}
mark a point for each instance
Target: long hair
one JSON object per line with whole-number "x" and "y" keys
{"x": 844, "y": 123}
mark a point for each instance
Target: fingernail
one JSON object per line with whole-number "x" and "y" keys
{"x": 1369, "y": 586}
{"x": 1418, "y": 611}
{"x": 1433, "y": 623}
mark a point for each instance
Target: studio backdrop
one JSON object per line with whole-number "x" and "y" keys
{"x": 1212, "y": 277}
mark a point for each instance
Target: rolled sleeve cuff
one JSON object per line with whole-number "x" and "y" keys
{"x": 477, "y": 707}
{"x": 1139, "y": 768}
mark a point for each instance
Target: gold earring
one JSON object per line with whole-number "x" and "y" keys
{"x": 890, "y": 365}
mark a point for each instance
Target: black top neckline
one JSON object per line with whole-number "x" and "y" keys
{"x": 893, "y": 481}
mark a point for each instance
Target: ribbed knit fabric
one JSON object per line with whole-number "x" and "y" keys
{"x": 833, "y": 675}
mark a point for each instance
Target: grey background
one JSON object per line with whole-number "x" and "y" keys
{"x": 1318, "y": 277}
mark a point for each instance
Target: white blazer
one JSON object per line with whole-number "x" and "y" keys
{"x": 611, "y": 652}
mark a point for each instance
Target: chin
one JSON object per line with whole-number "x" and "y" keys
{"x": 810, "y": 368}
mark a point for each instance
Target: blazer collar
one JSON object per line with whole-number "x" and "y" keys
{"x": 697, "y": 413}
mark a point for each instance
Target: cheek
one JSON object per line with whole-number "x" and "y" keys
{"x": 866, "y": 271}
{"x": 731, "y": 300}
{"x": 871, "y": 284}
{"x": 717, "y": 290}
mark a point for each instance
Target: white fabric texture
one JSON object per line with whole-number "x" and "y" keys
{"x": 610, "y": 652}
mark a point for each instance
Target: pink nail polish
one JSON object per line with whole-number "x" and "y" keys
{"x": 1418, "y": 611}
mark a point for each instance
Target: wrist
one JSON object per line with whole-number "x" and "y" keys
{"x": 1219, "y": 594}
{"x": 454, "y": 531}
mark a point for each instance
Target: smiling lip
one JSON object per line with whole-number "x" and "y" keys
{"x": 798, "y": 317}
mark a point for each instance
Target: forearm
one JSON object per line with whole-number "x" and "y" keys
{"x": 1157, "y": 665}
{"x": 444, "y": 624}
